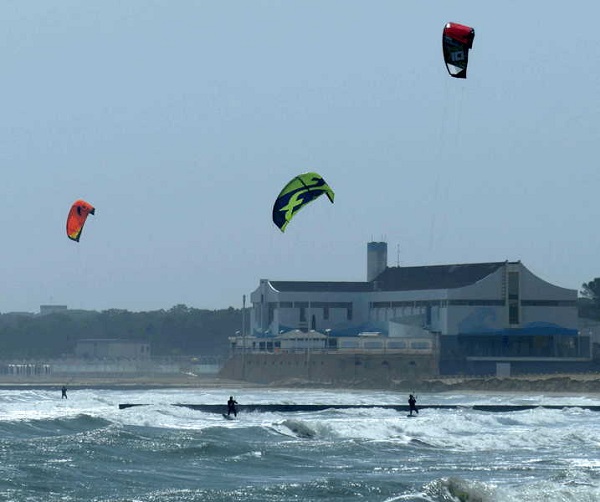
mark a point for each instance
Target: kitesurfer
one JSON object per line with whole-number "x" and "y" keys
{"x": 64, "y": 392}
{"x": 231, "y": 406}
{"x": 412, "y": 405}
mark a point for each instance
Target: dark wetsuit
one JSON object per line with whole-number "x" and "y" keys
{"x": 412, "y": 405}
{"x": 64, "y": 393}
{"x": 231, "y": 407}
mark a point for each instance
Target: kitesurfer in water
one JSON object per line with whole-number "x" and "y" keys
{"x": 231, "y": 406}
{"x": 64, "y": 392}
{"x": 412, "y": 405}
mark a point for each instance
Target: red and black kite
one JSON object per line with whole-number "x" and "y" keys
{"x": 456, "y": 43}
{"x": 76, "y": 219}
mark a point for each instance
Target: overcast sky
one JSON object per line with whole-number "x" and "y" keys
{"x": 181, "y": 121}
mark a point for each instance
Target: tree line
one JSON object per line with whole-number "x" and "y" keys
{"x": 178, "y": 331}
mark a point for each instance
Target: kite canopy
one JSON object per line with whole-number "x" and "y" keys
{"x": 76, "y": 219}
{"x": 456, "y": 42}
{"x": 303, "y": 189}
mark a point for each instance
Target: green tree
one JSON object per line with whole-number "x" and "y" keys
{"x": 180, "y": 330}
{"x": 591, "y": 290}
{"x": 589, "y": 302}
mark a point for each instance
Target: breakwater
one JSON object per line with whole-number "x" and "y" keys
{"x": 295, "y": 408}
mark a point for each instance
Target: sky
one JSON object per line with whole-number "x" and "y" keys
{"x": 181, "y": 122}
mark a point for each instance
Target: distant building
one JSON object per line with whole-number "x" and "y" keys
{"x": 52, "y": 309}
{"x": 475, "y": 316}
{"x": 99, "y": 348}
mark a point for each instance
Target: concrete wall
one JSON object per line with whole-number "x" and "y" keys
{"x": 336, "y": 369}
{"x": 475, "y": 319}
{"x": 408, "y": 327}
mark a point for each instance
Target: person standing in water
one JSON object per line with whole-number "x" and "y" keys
{"x": 64, "y": 392}
{"x": 412, "y": 405}
{"x": 231, "y": 406}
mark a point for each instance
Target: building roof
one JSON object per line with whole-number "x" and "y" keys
{"x": 321, "y": 286}
{"x": 433, "y": 276}
{"x": 401, "y": 279}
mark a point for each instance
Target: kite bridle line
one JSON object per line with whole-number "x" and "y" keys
{"x": 303, "y": 184}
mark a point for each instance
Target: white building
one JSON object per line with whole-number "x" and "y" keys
{"x": 477, "y": 314}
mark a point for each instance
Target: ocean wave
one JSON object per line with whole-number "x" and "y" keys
{"x": 457, "y": 489}
{"x": 47, "y": 427}
{"x": 299, "y": 428}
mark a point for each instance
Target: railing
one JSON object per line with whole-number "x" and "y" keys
{"x": 330, "y": 350}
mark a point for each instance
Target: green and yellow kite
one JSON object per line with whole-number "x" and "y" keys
{"x": 303, "y": 189}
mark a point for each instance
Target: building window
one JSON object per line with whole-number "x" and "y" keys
{"x": 513, "y": 285}
{"x": 326, "y": 313}
{"x": 349, "y": 313}
{"x": 272, "y": 308}
{"x": 420, "y": 345}
{"x": 513, "y": 298}
{"x": 302, "y": 314}
{"x": 396, "y": 345}
{"x": 373, "y": 345}
{"x": 513, "y": 312}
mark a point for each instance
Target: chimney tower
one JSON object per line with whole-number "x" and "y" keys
{"x": 376, "y": 259}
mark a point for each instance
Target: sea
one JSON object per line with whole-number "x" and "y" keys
{"x": 85, "y": 448}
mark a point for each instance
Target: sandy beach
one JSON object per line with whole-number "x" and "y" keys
{"x": 563, "y": 384}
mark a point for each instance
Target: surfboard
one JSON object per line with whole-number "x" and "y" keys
{"x": 228, "y": 417}
{"x": 412, "y": 416}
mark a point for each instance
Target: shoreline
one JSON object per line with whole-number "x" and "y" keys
{"x": 120, "y": 383}
{"x": 574, "y": 384}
